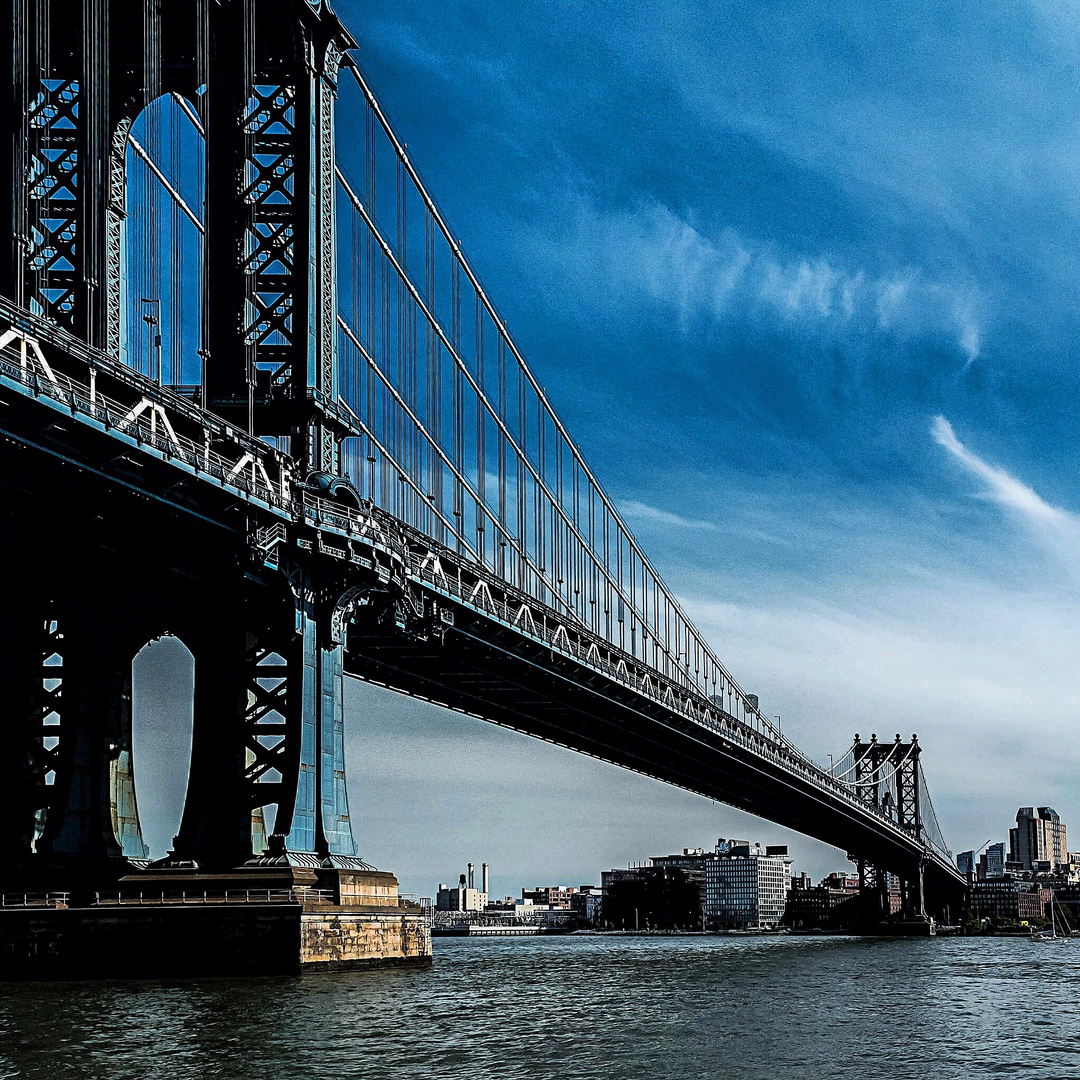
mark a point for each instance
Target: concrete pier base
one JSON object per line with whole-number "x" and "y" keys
{"x": 195, "y": 929}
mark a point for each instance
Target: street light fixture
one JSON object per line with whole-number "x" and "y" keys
{"x": 154, "y": 346}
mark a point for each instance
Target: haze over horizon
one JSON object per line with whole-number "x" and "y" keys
{"x": 801, "y": 279}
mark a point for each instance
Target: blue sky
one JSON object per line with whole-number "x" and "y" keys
{"x": 801, "y": 279}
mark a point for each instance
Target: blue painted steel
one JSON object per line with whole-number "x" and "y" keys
{"x": 321, "y": 817}
{"x": 302, "y": 836}
{"x": 333, "y": 797}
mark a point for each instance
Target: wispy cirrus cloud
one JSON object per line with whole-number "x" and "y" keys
{"x": 725, "y": 275}
{"x": 1056, "y": 528}
{"x": 1002, "y": 487}
{"x": 654, "y": 515}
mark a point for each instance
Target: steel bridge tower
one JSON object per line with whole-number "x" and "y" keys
{"x": 888, "y": 777}
{"x": 259, "y": 76}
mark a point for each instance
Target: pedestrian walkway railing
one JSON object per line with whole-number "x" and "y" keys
{"x": 34, "y": 900}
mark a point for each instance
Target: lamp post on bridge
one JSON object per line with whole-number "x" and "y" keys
{"x": 153, "y": 323}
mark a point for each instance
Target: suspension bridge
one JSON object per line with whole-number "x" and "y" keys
{"x": 253, "y": 393}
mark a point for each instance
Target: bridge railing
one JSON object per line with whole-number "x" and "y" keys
{"x": 150, "y": 417}
{"x": 34, "y": 900}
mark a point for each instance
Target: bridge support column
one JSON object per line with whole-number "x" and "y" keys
{"x": 326, "y": 803}
{"x": 268, "y": 736}
{"x": 91, "y": 634}
{"x": 884, "y": 892}
{"x": 215, "y": 830}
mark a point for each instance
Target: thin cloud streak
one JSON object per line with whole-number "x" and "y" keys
{"x": 1003, "y": 488}
{"x": 727, "y": 275}
{"x": 652, "y": 514}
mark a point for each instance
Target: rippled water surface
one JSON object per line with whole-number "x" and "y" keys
{"x": 619, "y": 1007}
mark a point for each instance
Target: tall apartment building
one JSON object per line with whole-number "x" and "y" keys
{"x": 1039, "y": 837}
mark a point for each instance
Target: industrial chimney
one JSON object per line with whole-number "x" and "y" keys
{"x": 471, "y": 885}
{"x": 484, "y": 878}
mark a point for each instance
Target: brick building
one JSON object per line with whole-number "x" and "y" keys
{"x": 1005, "y": 900}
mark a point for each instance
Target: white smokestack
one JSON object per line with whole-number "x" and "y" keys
{"x": 471, "y": 885}
{"x": 484, "y": 877}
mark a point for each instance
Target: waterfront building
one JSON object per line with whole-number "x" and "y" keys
{"x": 832, "y": 904}
{"x": 588, "y": 904}
{"x": 654, "y": 897}
{"x": 839, "y": 880}
{"x": 558, "y": 896}
{"x": 630, "y": 873}
{"x": 1039, "y": 836}
{"x": 741, "y": 886}
{"x": 1008, "y": 900}
{"x": 1072, "y": 871}
{"x": 461, "y": 898}
{"x": 690, "y": 859}
{"x": 465, "y": 897}
{"x": 747, "y": 888}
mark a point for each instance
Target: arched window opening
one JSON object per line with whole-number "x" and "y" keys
{"x": 161, "y": 245}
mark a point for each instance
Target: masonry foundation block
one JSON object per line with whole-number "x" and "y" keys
{"x": 276, "y": 921}
{"x": 132, "y": 941}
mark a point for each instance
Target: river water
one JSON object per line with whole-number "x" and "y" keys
{"x": 580, "y": 1006}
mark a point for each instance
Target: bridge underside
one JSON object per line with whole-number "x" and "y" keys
{"x": 497, "y": 678}
{"x": 524, "y": 688}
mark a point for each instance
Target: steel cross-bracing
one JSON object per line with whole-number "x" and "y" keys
{"x": 253, "y": 394}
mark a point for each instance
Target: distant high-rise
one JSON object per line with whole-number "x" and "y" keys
{"x": 965, "y": 863}
{"x": 1039, "y": 837}
{"x": 992, "y": 862}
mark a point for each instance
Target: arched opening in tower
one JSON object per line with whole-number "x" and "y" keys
{"x": 163, "y": 679}
{"x": 161, "y": 245}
